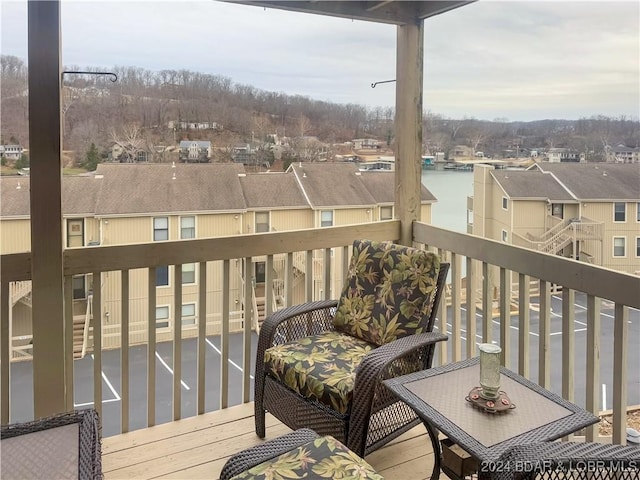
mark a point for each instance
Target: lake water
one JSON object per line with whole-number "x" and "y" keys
{"x": 451, "y": 188}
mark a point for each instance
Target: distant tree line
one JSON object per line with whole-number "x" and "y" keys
{"x": 97, "y": 111}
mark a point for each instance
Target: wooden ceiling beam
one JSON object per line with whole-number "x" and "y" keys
{"x": 396, "y": 12}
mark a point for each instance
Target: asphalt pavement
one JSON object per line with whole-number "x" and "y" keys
{"x": 22, "y": 389}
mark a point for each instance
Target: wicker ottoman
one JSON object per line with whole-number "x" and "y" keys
{"x": 302, "y": 453}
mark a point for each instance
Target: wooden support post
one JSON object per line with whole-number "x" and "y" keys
{"x": 408, "y": 121}
{"x": 45, "y": 148}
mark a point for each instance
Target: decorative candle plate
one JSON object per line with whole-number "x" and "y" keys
{"x": 497, "y": 405}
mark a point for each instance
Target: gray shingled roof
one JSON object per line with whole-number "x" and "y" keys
{"x": 598, "y": 181}
{"x": 382, "y": 187}
{"x": 334, "y": 184}
{"x": 531, "y": 184}
{"x": 14, "y": 202}
{"x": 78, "y": 196}
{"x": 272, "y": 190}
{"x": 142, "y": 188}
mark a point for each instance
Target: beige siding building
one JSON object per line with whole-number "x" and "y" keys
{"x": 143, "y": 203}
{"x": 589, "y": 212}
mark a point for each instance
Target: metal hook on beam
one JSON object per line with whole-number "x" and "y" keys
{"x": 373, "y": 85}
{"x": 114, "y": 77}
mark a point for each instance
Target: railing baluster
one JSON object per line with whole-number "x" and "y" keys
{"x": 97, "y": 342}
{"x": 456, "y": 350}
{"x": 471, "y": 308}
{"x": 345, "y": 267}
{"x": 151, "y": 349}
{"x": 309, "y": 277}
{"x": 288, "y": 280}
{"x": 68, "y": 340}
{"x": 177, "y": 342}
{"x": 593, "y": 362}
{"x": 620, "y": 335}
{"x": 568, "y": 346}
{"x": 224, "y": 334}
{"x": 202, "y": 330}
{"x": 124, "y": 351}
{"x": 5, "y": 353}
{"x": 524, "y": 324}
{"x": 544, "y": 339}
{"x": 487, "y": 307}
{"x": 268, "y": 287}
{"x": 505, "y": 316}
{"x": 442, "y": 317}
{"x": 327, "y": 273}
{"x": 246, "y": 341}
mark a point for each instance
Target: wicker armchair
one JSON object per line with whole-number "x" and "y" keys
{"x": 66, "y": 445}
{"x": 320, "y": 365}
{"x": 562, "y": 460}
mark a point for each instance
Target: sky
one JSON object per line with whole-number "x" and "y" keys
{"x": 510, "y": 60}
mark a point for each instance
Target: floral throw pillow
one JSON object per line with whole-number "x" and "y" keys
{"x": 388, "y": 291}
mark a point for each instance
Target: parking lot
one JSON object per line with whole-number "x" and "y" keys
{"x": 22, "y": 390}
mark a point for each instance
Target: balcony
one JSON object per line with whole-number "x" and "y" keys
{"x": 194, "y": 432}
{"x": 189, "y": 439}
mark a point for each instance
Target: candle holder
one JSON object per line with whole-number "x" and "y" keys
{"x": 488, "y": 397}
{"x": 489, "y": 370}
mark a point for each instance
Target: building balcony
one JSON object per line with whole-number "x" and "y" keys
{"x": 152, "y": 427}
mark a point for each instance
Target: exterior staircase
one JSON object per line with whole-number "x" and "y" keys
{"x": 564, "y": 233}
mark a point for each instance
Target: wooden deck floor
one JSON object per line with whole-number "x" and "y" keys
{"x": 198, "y": 447}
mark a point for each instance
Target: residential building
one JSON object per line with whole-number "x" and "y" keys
{"x": 622, "y": 154}
{"x": 144, "y": 203}
{"x": 11, "y": 152}
{"x": 195, "y": 151}
{"x": 588, "y": 212}
{"x": 564, "y": 155}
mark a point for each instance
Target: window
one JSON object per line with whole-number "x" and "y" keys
{"x": 75, "y": 232}
{"x": 638, "y": 212}
{"x": 162, "y": 276}
{"x": 162, "y": 317}
{"x": 557, "y": 210}
{"x": 187, "y": 227}
{"x": 160, "y": 229}
{"x": 326, "y": 218}
{"x": 188, "y": 273}
{"x": 188, "y": 314}
{"x": 262, "y": 222}
{"x": 619, "y": 212}
{"x": 637, "y": 246}
{"x": 505, "y": 203}
{"x": 386, "y": 213}
{"x": 79, "y": 287}
{"x": 505, "y": 236}
{"x": 619, "y": 246}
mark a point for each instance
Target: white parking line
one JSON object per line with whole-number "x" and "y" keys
{"x": 113, "y": 391}
{"x": 109, "y": 400}
{"x": 184, "y": 385}
{"x": 217, "y": 350}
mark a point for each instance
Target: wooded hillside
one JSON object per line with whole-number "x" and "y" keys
{"x": 96, "y": 110}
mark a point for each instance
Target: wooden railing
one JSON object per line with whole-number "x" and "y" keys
{"x": 490, "y": 266}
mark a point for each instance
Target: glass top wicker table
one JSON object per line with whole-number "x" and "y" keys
{"x": 438, "y": 396}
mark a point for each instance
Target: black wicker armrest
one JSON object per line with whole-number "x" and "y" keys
{"x": 253, "y": 456}
{"x": 556, "y": 459}
{"x": 375, "y": 361}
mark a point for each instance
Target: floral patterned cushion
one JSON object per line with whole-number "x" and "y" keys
{"x": 324, "y": 457}
{"x": 320, "y": 367}
{"x": 388, "y": 291}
